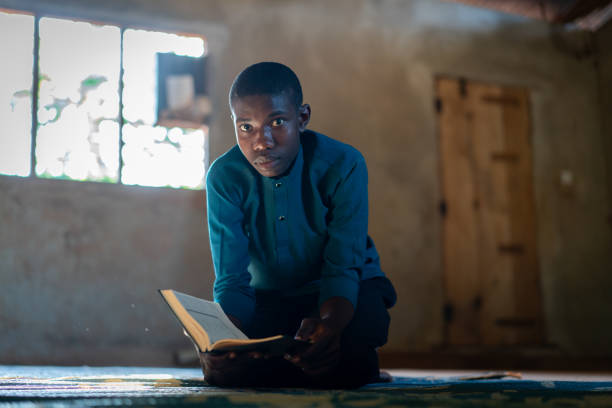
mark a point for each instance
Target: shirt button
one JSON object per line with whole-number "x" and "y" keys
{"x": 281, "y": 218}
{"x": 277, "y": 185}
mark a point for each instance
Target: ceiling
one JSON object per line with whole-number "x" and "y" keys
{"x": 586, "y": 14}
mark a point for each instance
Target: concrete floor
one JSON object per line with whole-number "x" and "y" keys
{"x": 526, "y": 375}
{"x": 190, "y": 373}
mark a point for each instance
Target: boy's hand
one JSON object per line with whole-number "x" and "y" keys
{"x": 324, "y": 353}
{"x": 226, "y": 368}
{"x": 325, "y": 334}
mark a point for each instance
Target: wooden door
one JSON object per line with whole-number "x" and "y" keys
{"x": 490, "y": 262}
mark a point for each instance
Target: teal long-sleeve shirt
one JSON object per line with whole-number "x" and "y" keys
{"x": 304, "y": 232}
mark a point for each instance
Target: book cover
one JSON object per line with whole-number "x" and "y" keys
{"x": 212, "y": 331}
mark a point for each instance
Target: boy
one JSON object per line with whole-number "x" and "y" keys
{"x": 287, "y": 218}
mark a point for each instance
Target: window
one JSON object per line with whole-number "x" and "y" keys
{"x": 15, "y": 95}
{"x": 96, "y": 115}
{"x": 78, "y": 101}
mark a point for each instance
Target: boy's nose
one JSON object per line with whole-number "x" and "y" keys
{"x": 264, "y": 140}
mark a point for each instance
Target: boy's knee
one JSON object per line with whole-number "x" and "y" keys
{"x": 370, "y": 324}
{"x": 357, "y": 367}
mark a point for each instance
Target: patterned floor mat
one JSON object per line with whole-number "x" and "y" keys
{"x": 140, "y": 387}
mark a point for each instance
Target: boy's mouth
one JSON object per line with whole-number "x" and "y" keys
{"x": 267, "y": 165}
{"x": 266, "y": 161}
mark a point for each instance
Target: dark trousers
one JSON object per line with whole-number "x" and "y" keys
{"x": 278, "y": 314}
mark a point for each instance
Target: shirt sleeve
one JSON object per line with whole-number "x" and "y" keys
{"x": 229, "y": 248}
{"x": 344, "y": 252}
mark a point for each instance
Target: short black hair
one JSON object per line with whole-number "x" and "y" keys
{"x": 267, "y": 78}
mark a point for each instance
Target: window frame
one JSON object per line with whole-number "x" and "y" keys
{"x": 122, "y": 26}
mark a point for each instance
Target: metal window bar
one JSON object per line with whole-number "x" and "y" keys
{"x": 35, "y": 88}
{"x": 121, "y": 119}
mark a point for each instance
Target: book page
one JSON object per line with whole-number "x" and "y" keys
{"x": 211, "y": 317}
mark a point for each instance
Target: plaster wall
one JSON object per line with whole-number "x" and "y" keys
{"x": 604, "y": 70}
{"x": 81, "y": 263}
{"x": 368, "y": 69}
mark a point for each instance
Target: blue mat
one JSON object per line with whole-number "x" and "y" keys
{"x": 139, "y": 387}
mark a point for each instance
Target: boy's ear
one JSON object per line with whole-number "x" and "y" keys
{"x": 303, "y": 116}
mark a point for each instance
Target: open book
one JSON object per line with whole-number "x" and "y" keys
{"x": 212, "y": 331}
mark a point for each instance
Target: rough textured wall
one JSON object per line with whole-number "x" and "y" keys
{"x": 368, "y": 69}
{"x": 81, "y": 264}
{"x": 604, "y": 65}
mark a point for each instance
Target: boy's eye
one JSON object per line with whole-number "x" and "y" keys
{"x": 278, "y": 122}
{"x": 245, "y": 127}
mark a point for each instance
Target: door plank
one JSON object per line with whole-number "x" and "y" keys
{"x": 522, "y": 214}
{"x": 460, "y": 246}
{"x": 493, "y": 222}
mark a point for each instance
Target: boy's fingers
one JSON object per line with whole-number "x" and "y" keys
{"x": 316, "y": 349}
{"x": 321, "y": 357}
{"x": 307, "y": 328}
{"x": 256, "y": 354}
{"x": 323, "y": 363}
{"x": 324, "y": 346}
{"x": 322, "y": 366}
{"x": 212, "y": 361}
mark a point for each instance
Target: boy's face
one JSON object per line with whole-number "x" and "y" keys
{"x": 268, "y": 131}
